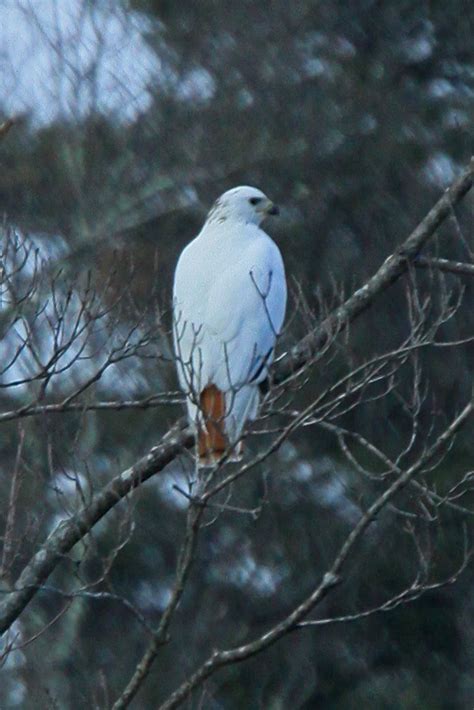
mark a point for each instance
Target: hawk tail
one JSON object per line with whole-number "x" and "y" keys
{"x": 212, "y": 439}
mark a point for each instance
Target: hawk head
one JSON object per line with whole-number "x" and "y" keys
{"x": 244, "y": 203}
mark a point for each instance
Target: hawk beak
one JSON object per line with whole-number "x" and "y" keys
{"x": 272, "y": 209}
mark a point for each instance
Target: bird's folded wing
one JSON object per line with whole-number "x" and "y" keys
{"x": 245, "y": 313}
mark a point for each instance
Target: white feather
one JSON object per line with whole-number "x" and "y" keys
{"x": 229, "y": 305}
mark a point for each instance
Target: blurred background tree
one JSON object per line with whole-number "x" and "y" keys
{"x": 135, "y": 117}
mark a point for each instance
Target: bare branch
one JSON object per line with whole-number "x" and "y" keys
{"x": 160, "y": 635}
{"x": 332, "y": 577}
{"x": 32, "y": 410}
{"x": 69, "y": 532}
{"x": 179, "y": 438}
{"x": 393, "y": 267}
{"x": 450, "y": 267}
{"x": 411, "y": 593}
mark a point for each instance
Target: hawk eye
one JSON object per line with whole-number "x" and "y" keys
{"x": 255, "y": 200}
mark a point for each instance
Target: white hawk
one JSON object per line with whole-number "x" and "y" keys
{"x": 229, "y": 301}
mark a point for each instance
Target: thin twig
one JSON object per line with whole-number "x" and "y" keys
{"x": 61, "y": 540}
{"x": 219, "y": 659}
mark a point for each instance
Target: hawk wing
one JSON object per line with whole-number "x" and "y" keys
{"x": 229, "y": 306}
{"x": 244, "y": 316}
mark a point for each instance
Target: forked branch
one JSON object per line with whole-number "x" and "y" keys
{"x": 65, "y": 536}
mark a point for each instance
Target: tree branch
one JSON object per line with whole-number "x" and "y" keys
{"x": 68, "y": 533}
{"x": 160, "y": 635}
{"x": 33, "y": 410}
{"x": 220, "y": 659}
{"x": 450, "y": 267}
{"x": 393, "y": 267}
